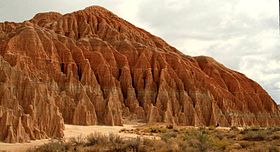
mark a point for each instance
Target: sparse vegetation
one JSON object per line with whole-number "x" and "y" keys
{"x": 255, "y": 135}
{"x": 173, "y": 139}
{"x": 53, "y": 146}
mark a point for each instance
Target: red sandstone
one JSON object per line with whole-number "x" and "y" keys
{"x": 91, "y": 67}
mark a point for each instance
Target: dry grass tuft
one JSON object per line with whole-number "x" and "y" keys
{"x": 173, "y": 139}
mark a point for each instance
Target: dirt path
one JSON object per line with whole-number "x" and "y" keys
{"x": 70, "y": 131}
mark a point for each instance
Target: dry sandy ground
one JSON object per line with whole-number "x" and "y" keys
{"x": 70, "y": 131}
{"x": 74, "y": 131}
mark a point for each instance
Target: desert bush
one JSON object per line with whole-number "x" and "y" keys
{"x": 157, "y": 130}
{"x": 274, "y": 129}
{"x": 167, "y": 136}
{"x": 246, "y": 144}
{"x": 234, "y": 128}
{"x": 248, "y": 129}
{"x": 255, "y": 135}
{"x": 220, "y": 135}
{"x": 79, "y": 140}
{"x": 123, "y": 130}
{"x": 212, "y": 127}
{"x": 259, "y": 148}
{"x": 219, "y": 143}
{"x": 275, "y": 137}
{"x": 170, "y": 126}
{"x": 232, "y": 147}
{"x": 53, "y": 146}
{"x": 117, "y": 148}
{"x": 115, "y": 139}
{"x": 225, "y": 134}
{"x": 187, "y": 139}
{"x": 112, "y": 143}
{"x": 197, "y": 139}
{"x": 171, "y": 147}
{"x": 133, "y": 144}
{"x": 96, "y": 138}
{"x": 203, "y": 141}
{"x": 274, "y": 148}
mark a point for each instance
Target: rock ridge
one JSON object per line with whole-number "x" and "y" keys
{"x": 91, "y": 67}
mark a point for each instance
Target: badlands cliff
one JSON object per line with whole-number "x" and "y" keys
{"x": 91, "y": 67}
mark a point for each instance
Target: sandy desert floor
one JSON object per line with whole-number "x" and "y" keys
{"x": 70, "y": 131}
{"x": 162, "y": 137}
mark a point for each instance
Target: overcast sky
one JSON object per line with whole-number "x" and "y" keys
{"x": 241, "y": 34}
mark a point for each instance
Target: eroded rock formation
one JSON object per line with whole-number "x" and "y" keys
{"x": 91, "y": 67}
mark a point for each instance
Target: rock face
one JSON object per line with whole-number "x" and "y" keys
{"x": 91, "y": 67}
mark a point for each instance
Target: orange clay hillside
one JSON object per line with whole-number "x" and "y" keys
{"x": 91, "y": 67}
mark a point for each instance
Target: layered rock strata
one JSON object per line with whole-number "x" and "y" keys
{"x": 91, "y": 67}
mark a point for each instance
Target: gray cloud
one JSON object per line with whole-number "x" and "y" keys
{"x": 243, "y": 35}
{"x": 20, "y": 10}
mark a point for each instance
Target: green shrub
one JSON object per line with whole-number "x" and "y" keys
{"x": 197, "y": 139}
{"x": 255, "y": 135}
{"x": 247, "y": 129}
{"x": 203, "y": 141}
